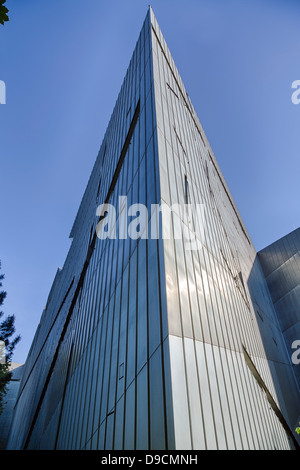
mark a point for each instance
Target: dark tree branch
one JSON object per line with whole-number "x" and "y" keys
{"x": 3, "y": 12}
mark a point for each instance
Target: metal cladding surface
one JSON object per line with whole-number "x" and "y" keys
{"x": 145, "y": 342}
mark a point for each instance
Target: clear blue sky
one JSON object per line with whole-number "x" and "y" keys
{"x": 63, "y": 63}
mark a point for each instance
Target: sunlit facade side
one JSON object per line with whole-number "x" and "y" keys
{"x": 219, "y": 360}
{"x": 144, "y": 343}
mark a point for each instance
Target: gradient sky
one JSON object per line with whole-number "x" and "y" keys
{"x": 63, "y": 63}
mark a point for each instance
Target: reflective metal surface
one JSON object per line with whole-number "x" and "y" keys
{"x": 142, "y": 342}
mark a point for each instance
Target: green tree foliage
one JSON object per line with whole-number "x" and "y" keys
{"x": 7, "y": 330}
{"x": 3, "y": 12}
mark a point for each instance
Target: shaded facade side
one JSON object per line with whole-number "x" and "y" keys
{"x": 281, "y": 265}
{"x": 10, "y": 398}
{"x": 229, "y": 390}
{"x": 97, "y": 375}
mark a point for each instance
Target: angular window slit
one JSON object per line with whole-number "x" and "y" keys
{"x": 98, "y": 190}
{"x": 269, "y": 397}
{"x": 121, "y": 371}
{"x": 179, "y": 140}
{"x": 186, "y": 190}
{"x": 171, "y": 89}
{"x": 104, "y": 153}
{"x": 259, "y": 315}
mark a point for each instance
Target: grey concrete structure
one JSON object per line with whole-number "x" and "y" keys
{"x": 146, "y": 343}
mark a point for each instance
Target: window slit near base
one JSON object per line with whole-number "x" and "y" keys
{"x": 269, "y": 397}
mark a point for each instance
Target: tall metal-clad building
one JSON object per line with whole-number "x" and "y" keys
{"x": 147, "y": 342}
